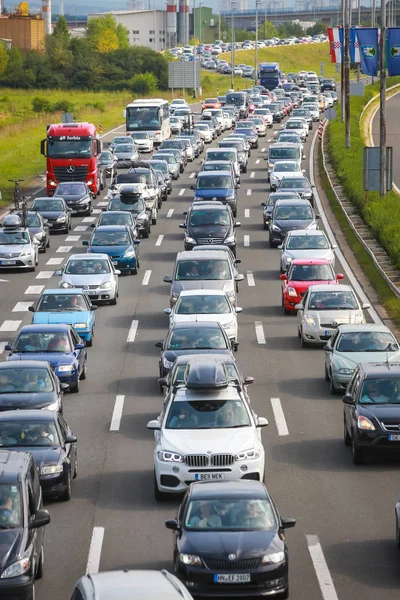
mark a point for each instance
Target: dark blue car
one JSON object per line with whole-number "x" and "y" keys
{"x": 216, "y": 185}
{"x": 59, "y": 345}
{"x": 117, "y": 241}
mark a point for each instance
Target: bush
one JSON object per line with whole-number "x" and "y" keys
{"x": 143, "y": 83}
{"x": 63, "y": 106}
{"x": 41, "y": 105}
{"x": 100, "y": 106}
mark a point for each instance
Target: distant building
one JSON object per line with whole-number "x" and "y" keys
{"x": 27, "y": 33}
{"x": 145, "y": 27}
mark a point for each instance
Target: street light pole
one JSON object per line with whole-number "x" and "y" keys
{"x": 195, "y": 49}
{"x": 201, "y": 14}
{"x": 258, "y": 2}
{"x": 233, "y": 42}
{"x": 382, "y": 100}
{"x": 219, "y": 21}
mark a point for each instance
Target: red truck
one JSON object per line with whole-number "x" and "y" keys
{"x": 72, "y": 151}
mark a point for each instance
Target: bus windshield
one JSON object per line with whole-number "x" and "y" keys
{"x": 70, "y": 148}
{"x": 143, "y": 118}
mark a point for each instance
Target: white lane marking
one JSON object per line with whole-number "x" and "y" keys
{"x": 252, "y": 174}
{"x": 146, "y": 277}
{"x": 97, "y": 211}
{"x": 270, "y": 140}
{"x": 73, "y": 238}
{"x": 64, "y": 249}
{"x": 34, "y": 289}
{"x": 81, "y": 228}
{"x": 249, "y": 192}
{"x": 192, "y": 175}
{"x": 3, "y": 346}
{"x": 159, "y": 240}
{"x": 96, "y": 544}
{"x": 5, "y": 280}
{"x": 259, "y": 332}
{"x": 246, "y": 213}
{"x": 22, "y": 307}
{"x": 54, "y": 261}
{"x": 117, "y": 413}
{"x": 250, "y": 279}
{"x": 89, "y": 220}
{"x": 183, "y": 190}
{"x": 103, "y": 203}
{"x": 10, "y": 325}
{"x": 44, "y": 275}
{"x": 170, "y": 213}
{"x": 257, "y": 161}
{"x": 132, "y": 331}
{"x": 326, "y": 584}
{"x": 262, "y": 149}
{"x": 246, "y": 241}
{"x": 279, "y": 417}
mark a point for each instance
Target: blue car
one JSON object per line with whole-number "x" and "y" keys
{"x": 117, "y": 241}
{"x": 216, "y": 185}
{"x": 59, "y": 345}
{"x": 70, "y": 306}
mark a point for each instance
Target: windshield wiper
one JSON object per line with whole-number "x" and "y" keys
{"x": 7, "y": 526}
{"x": 236, "y": 426}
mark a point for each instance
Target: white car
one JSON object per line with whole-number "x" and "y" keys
{"x": 19, "y": 249}
{"x": 329, "y": 101}
{"x": 313, "y": 108}
{"x": 206, "y": 435}
{"x": 266, "y": 114}
{"x": 323, "y": 308}
{"x": 227, "y": 120}
{"x": 298, "y": 125}
{"x": 218, "y": 114}
{"x": 205, "y": 132}
{"x": 177, "y": 103}
{"x": 143, "y": 141}
{"x": 305, "y": 243}
{"x": 205, "y": 305}
{"x": 284, "y": 168}
{"x": 94, "y": 273}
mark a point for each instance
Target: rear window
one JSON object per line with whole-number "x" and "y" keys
{"x": 215, "y": 181}
{"x": 284, "y": 153}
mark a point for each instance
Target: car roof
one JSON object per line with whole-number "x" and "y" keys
{"x": 364, "y": 327}
{"x": 11, "y": 463}
{"x": 112, "y": 227}
{"x": 44, "y": 328}
{"x": 295, "y": 202}
{"x": 27, "y": 364}
{"x": 202, "y": 292}
{"x": 197, "y": 325}
{"x": 64, "y": 291}
{"x": 326, "y": 287}
{"x": 310, "y": 261}
{"x": 187, "y": 254}
{"x": 183, "y": 394}
{"x": 309, "y": 232}
{"x": 380, "y": 369}
{"x": 88, "y": 256}
{"x": 223, "y": 489}
{"x": 116, "y": 212}
{"x": 27, "y": 415}
{"x": 212, "y": 173}
{"x": 211, "y": 205}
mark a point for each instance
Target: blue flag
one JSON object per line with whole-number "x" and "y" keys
{"x": 368, "y": 45}
{"x": 393, "y": 50}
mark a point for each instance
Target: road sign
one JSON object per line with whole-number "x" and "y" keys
{"x": 67, "y": 118}
{"x": 181, "y": 74}
{"x": 356, "y": 88}
{"x": 372, "y": 171}
{"x": 330, "y": 114}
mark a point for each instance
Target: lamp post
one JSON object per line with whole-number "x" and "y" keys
{"x": 233, "y": 42}
{"x": 201, "y": 19}
{"x": 258, "y": 2}
{"x": 195, "y": 49}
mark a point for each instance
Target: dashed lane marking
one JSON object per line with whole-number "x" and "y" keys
{"x": 250, "y": 278}
{"x": 146, "y": 277}
{"x": 170, "y": 213}
{"x": 182, "y": 191}
{"x": 247, "y": 213}
{"x": 44, "y": 275}
{"x": 257, "y": 161}
{"x": 249, "y": 192}
{"x": 117, "y": 413}
{"x": 192, "y": 175}
{"x": 22, "y": 307}
{"x": 81, "y": 228}
{"x": 64, "y": 249}
{"x": 73, "y": 238}
{"x": 259, "y": 332}
{"x": 325, "y": 581}
{"x": 54, "y": 261}
{"x": 103, "y": 203}
{"x": 132, "y": 331}
{"x": 34, "y": 289}
{"x": 3, "y": 346}
{"x": 252, "y": 174}
{"x": 89, "y": 220}
{"x": 159, "y": 240}
{"x": 97, "y": 211}
{"x": 96, "y": 544}
{"x": 10, "y": 325}
{"x": 279, "y": 417}
{"x": 262, "y": 149}
{"x": 246, "y": 242}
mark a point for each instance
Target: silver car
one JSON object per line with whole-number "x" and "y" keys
{"x": 325, "y": 307}
{"x": 94, "y": 273}
{"x": 303, "y": 243}
{"x": 126, "y": 154}
{"x": 284, "y": 168}
{"x": 121, "y": 139}
{"x": 143, "y": 141}
{"x": 19, "y": 249}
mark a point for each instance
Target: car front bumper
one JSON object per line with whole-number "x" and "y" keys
{"x": 19, "y": 262}
{"x": 340, "y": 380}
{"x": 17, "y": 588}
{"x": 314, "y": 334}
{"x": 53, "y": 485}
{"x": 125, "y": 264}
{"x": 276, "y": 236}
{"x": 375, "y": 441}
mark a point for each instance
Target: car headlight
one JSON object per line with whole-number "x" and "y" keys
{"x": 84, "y": 201}
{"x": 39, "y": 235}
{"x": 129, "y": 254}
{"x": 53, "y": 406}
{"x": 273, "y": 559}
{"x": 168, "y": 456}
{"x": 90, "y": 182}
{"x": 346, "y": 371}
{"x": 26, "y": 253}
{"x": 365, "y": 424}
{"x": 229, "y": 325}
{"x": 230, "y": 239}
{"x": 105, "y": 286}
{"x": 270, "y": 165}
{"x": 191, "y": 559}
{"x": 288, "y": 259}
{"x": 291, "y": 292}
{"x": 65, "y": 368}
{"x": 309, "y": 319}
{"x": 18, "y": 568}
{"x": 251, "y": 454}
{"x": 80, "y": 325}
{"x": 276, "y": 228}
{"x": 190, "y": 240}
{"x": 167, "y": 364}
{"x": 51, "y": 470}
{"x": 307, "y": 194}
{"x": 66, "y": 284}
{"x": 61, "y": 219}
{"x": 358, "y": 318}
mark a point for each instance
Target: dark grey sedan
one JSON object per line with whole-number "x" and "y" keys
{"x": 77, "y": 195}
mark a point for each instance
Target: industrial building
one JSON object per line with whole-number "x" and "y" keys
{"x": 24, "y": 30}
{"x": 205, "y": 24}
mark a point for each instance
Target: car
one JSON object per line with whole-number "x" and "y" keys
{"x": 302, "y": 273}
{"x": 219, "y": 165}
{"x": 298, "y": 125}
{"x": 56, "y": 212}
{"x": 228, "y": 122}
{"x": 191, "y": 150}
{"x": 371, "y": 410}
{"x": 172, "y": 162}
{"x": 18, "y": 247}
{"x": 214, "y": 123}
{"x": 121, "y": 140}
{"x": 268, "y": 206}
{"x": 259, "y": 123}
{"x": 116, "y": 241}
{"x": 126, "y": 155}
{"x": 313, "y": 108}
{"x": 96, "y": 275}
{"x": 196, "y": 139}
{"x": 304, "y": 113}
{"x": 177, "y": 103}
{"x": 228, "y": 253}
{"x": 209, "y": 221}
{"x": 303, "y": 243}
{"x": 203, "y": 270}
{"x": 329, "y": 99}
{"x": 328, "y": 84}
{"x": 226, "y": 151}
{"x": 70, "y": 306}
{"x": 107, "y": 163}
{"x": 216, "y": 186}
{"x": 242, "y": 546}
{"x": 143, "y": 182}
{"x": 77, "y": 196}
{"x": 206, "y": 131}
{"x": 163, "y": 187}
{"x": 38, "y": 228}
{"x": 276, "y": 111}
{"x": 299, "y": 184}
{"x": 217, "y": 114}
{"x": 205, "y": 305}
{"x": 176, "y": 125}
{"x": 285, "y": 136}
{"x": 181, "y": 146}
{"x": 186, "y": 116}
{"x": 210, "y": 103}
{"x": 162, "y": 166}
{"x": 143, "y": 141}
{"x": 118, "y": 217}
{"x": 250, "y": 133}
{"x": 129, "y": 200}
{"x": 241, "y": 137}
{"x": 178, "y": 153}
{"x": 30, "y": 384}
{"x": 22, "y": 531}
{"x": 323, "y": 308}
{"x": 282, "y": 151}
{"x": 47, "y": 436}
{"x": 60, "y": 345}
{"x": 287, "y": 216}
{"x": 284, "y": 168}
{"x": 266, "y": 114}
{"x": 352, "y": 345}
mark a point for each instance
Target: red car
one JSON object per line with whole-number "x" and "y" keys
{"x": 302, "y": 273}
{"x": 211, "y": 103}
{"x": 251, "y": 105}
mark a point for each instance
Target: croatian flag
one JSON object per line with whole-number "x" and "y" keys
{"x": 354, "y": 46}
{"x": 335, "y": 35}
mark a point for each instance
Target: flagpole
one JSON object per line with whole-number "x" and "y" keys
{"x": 382, "y": 100}
{"x": 347, "y": 70}
{"x": 342, "y": 69}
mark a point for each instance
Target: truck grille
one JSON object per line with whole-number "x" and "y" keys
{"x": 215, "y": 460}
{"x": 210, "y": 240}
{"x": 78, "y": 174}
{"x": 216, "y": 564}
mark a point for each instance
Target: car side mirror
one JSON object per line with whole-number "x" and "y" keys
{"x": 64, "y": 386}
{"x": 31, "y": 308}
{"x": 287, "y": 522}
{"x": 237, "y": 261}
{"x": 167, "y": 311}
{"x": 263, "y": 204}
{"x": 167, "y": 279}
{"x": 340, "y": 276}
{"x": 283, "y": 276}
{"x": 104, "y": 208}
{"x": 317, "y": 217}
{"x": 192, "y": 187}
{"x": 94, "y": 307}
{"x": 117, "y": 272}
{"x": 42, "y": 518}
{"x": 239, "y": 277}
{"x": 159, "y": 345}
{"x": 237, "y": 224}
{"x": 239, "y": 309}
{"x": 92, "y": 225}
{"x": 79, "y": 346}
{"x": 182, "y": 226}
{"x": 136, "y": 242}
{"x": 7, "y": 347}
{"x": 348, "y": 399}
{"x": 334, "y": 246}
{"x": 248, "y": 380}
{"x": 154, "y": 425}
{"x": 299, "y": 306}
{"x": 163, "y": 381}
{"x": 262, "y": 422}
{"x": 85, "y": 243}
{"x": 71, "y": 439}
{"x": 172, "y": 524}
{"x": 328, "y": 348}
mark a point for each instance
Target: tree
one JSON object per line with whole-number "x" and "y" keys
{"x": 3, "y": 58}
{"x": 316, "y": 29}
{"x": 105, "y": 35}
{"x": 267, "y": 31}
{"x": 61, "y": 30}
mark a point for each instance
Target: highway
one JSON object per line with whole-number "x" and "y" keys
{"x": 392, "y": 132}
{"x": 344, "y": 513}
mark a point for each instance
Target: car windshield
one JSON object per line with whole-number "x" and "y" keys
{"x": 284, "y": 153}
{"x": 230, "y": 514}
{"x": 294, "y": 125}
{"x": 51, "y": 205}
{"x": 284, "y": 167}
{"x": 128, "y": 148}
{"x": 246, "y": 131}
{"x": 175, "y": 144}
{"x": 61, "y": 303}
{"x": 202, "y": 338}
{"x": 160, "y": 165}
{"x": 211, "y": 101}
{"x": 21, "y": 381}
{"x": 214, "y": 181}
{"x": 307, "y": 242}
{"x": 135, "y": 207}
{"x": 70, "y": 189}
{"x": 169, "y": 158}
{"x": 291, "y": 184}
{"x": 11, "y": 238}
{"x": 10, "y": 506}
{"x": 42, "y": 342}
{"x": 328, "y": 300}
{"x": 295, "y": 213}
{"x": 222, "y": 155}
{"x": 216, "y": 269}
{"x": 110, "y": 238}
{"x": 87, "y": 267}
{"x": 122, "y": 140}
{"x": 311, "y": 273}
{"x": 205, "y": 218}
{"x": 28, "y": 433}
{"x": 207, "y": 414}
{"x": 381, "y": 391}
{"x": 202, "y": 305}
{"x": 367, "y": 341}
{"x": 143, "y": 176}
{"x": 287, "y": 136}
{"x": 115, "y": 219}
{"x": 140, "y": 135}
{"x": 106, "y": 157}
{"x": 216, "y": 167}
{"x": 33, "y": 221}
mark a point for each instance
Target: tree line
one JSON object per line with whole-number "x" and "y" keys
{"x": 268, "y": 30}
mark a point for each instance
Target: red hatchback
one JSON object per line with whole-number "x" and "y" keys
{"x": 302, "y": 273}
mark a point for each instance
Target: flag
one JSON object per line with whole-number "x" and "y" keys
{"x": 393, "y": 50}
{"x": 335, "y": 35}
{"x": 354, "y": 46}
{"x": 368, "y": 43}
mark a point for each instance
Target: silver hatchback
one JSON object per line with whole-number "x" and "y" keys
{"x": 93, "y": 273}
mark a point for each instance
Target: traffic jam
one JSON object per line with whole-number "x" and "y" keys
{"x": 178, "y": 293}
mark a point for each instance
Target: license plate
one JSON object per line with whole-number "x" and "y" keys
{"x": 8, "y": 262}
{"x": 394, "y": 438}
{"x": 209, "y": 476}
{"x": 92, "y": 293}
{"x": 232, "y": 578}
{"x": 114, "y": 262}
{"x": 328, "y": 332}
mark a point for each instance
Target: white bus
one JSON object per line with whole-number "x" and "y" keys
{"x": 151, "y": 115}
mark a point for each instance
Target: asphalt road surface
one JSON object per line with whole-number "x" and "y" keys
{"x": 392, "y": 132}
{"x": 343, "y": 545}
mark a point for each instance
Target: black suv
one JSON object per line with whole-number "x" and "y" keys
{"x": 22, "y": 521}
{"x": 372, "y": 409}
{"x": 210, "y": 223}
{"x": 328, "y": 85}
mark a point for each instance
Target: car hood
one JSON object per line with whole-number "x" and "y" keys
{"x": 51, "y": 214}
{"x": 315, "y": 253}
{"x": 209, "y": 231}
{"x": 302, "y": 286}
{"x": 14, "y": 248}
{"x": 119, "y": 154}
{"x": 288, "y": 225}
{"x": 111, "y": 250}
{"x": 218, "y": 441}
{"x": 64, "y": 318}
{"x": 336, "y": 317}
{"x": 83, "y": 280}
{"x": 203, "y": 284}
{"x": 74, "y": 197}
{"x": 214, "y": 192}
{"x": 10, "y": 546}
{"x": 30, "y": 400}
{"x": 171, "y": 355}
{"x": 44, "y": 455}
{"x": 280, "y": 174}
{"x": 388, "y": 413}
{"x": 349, "y": 360}
{"x": 219, "y": 318}
{"x": 216, "y": 544}
{"x": 54, "y": 358}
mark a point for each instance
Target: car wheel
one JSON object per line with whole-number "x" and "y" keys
{"x": 304, "y": 344}
{"x": 75, "y": 465}
{"x": 90, "y": 209}
{"x": 397, "y": 532}
{"x": 67, "y": 495}
{"x": 358, "y": 453}
{"x": 40, "y": 567}
{"x": 346, "y": 435}
{"x": 159, "y": 496}
{"x": 44, "y": 249}
{"x": 135, "y": 270}
{"x": 332, "y": 388}
{"x": 154, "y": 220}
{"x": 89, "y": 343}
{"x": 84, "y": 371}
{"x": 146, "y": 233}
{"x": 285, "y": 310}
{"x": 326, "y": 374}
{"x": 102, "y": 185}
{"x": 75, "y": 388}
{"x": 113, "y": 302}
{"x": 272, "y": 244}
{"x": 48, "y": 243}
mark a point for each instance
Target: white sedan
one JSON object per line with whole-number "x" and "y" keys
{"x": 143, "y": 141}
{"x": 284, "y": 168}
{"x": 298, "y": 125}
{"x": 266, "y": 114}
{"x": 205, "y": 305}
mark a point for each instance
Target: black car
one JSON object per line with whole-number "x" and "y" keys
{"x": 175, "y": 145}
{"x": 30, "y": 384}
{"x": 268, "y": 206}
{"x": 229, "y": 540}
{"x": 288, "y": 215}
{"x": 239, "y": 100}
{"x": 22, "y": 526}
{"x": 107, "y": 163}
{"x": 194, "y": 337}
{"x": 46, "y": 435}
{"x": 118, "y": 217}
{"x": 209, "y": 221}
{"x": 277, "y": 112}
{"x": 301, "y": 185}
{"x": 180, "y": 156}
{"x": 328, "y": 84}
{"x": 162, "y": 166}
{"x": 129, "y": 200}
{"x": 39, "y": 228}
{"x": 55, "y": 211}
{"x": 77, "y": 195}
{"x": 371, "y": 410}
